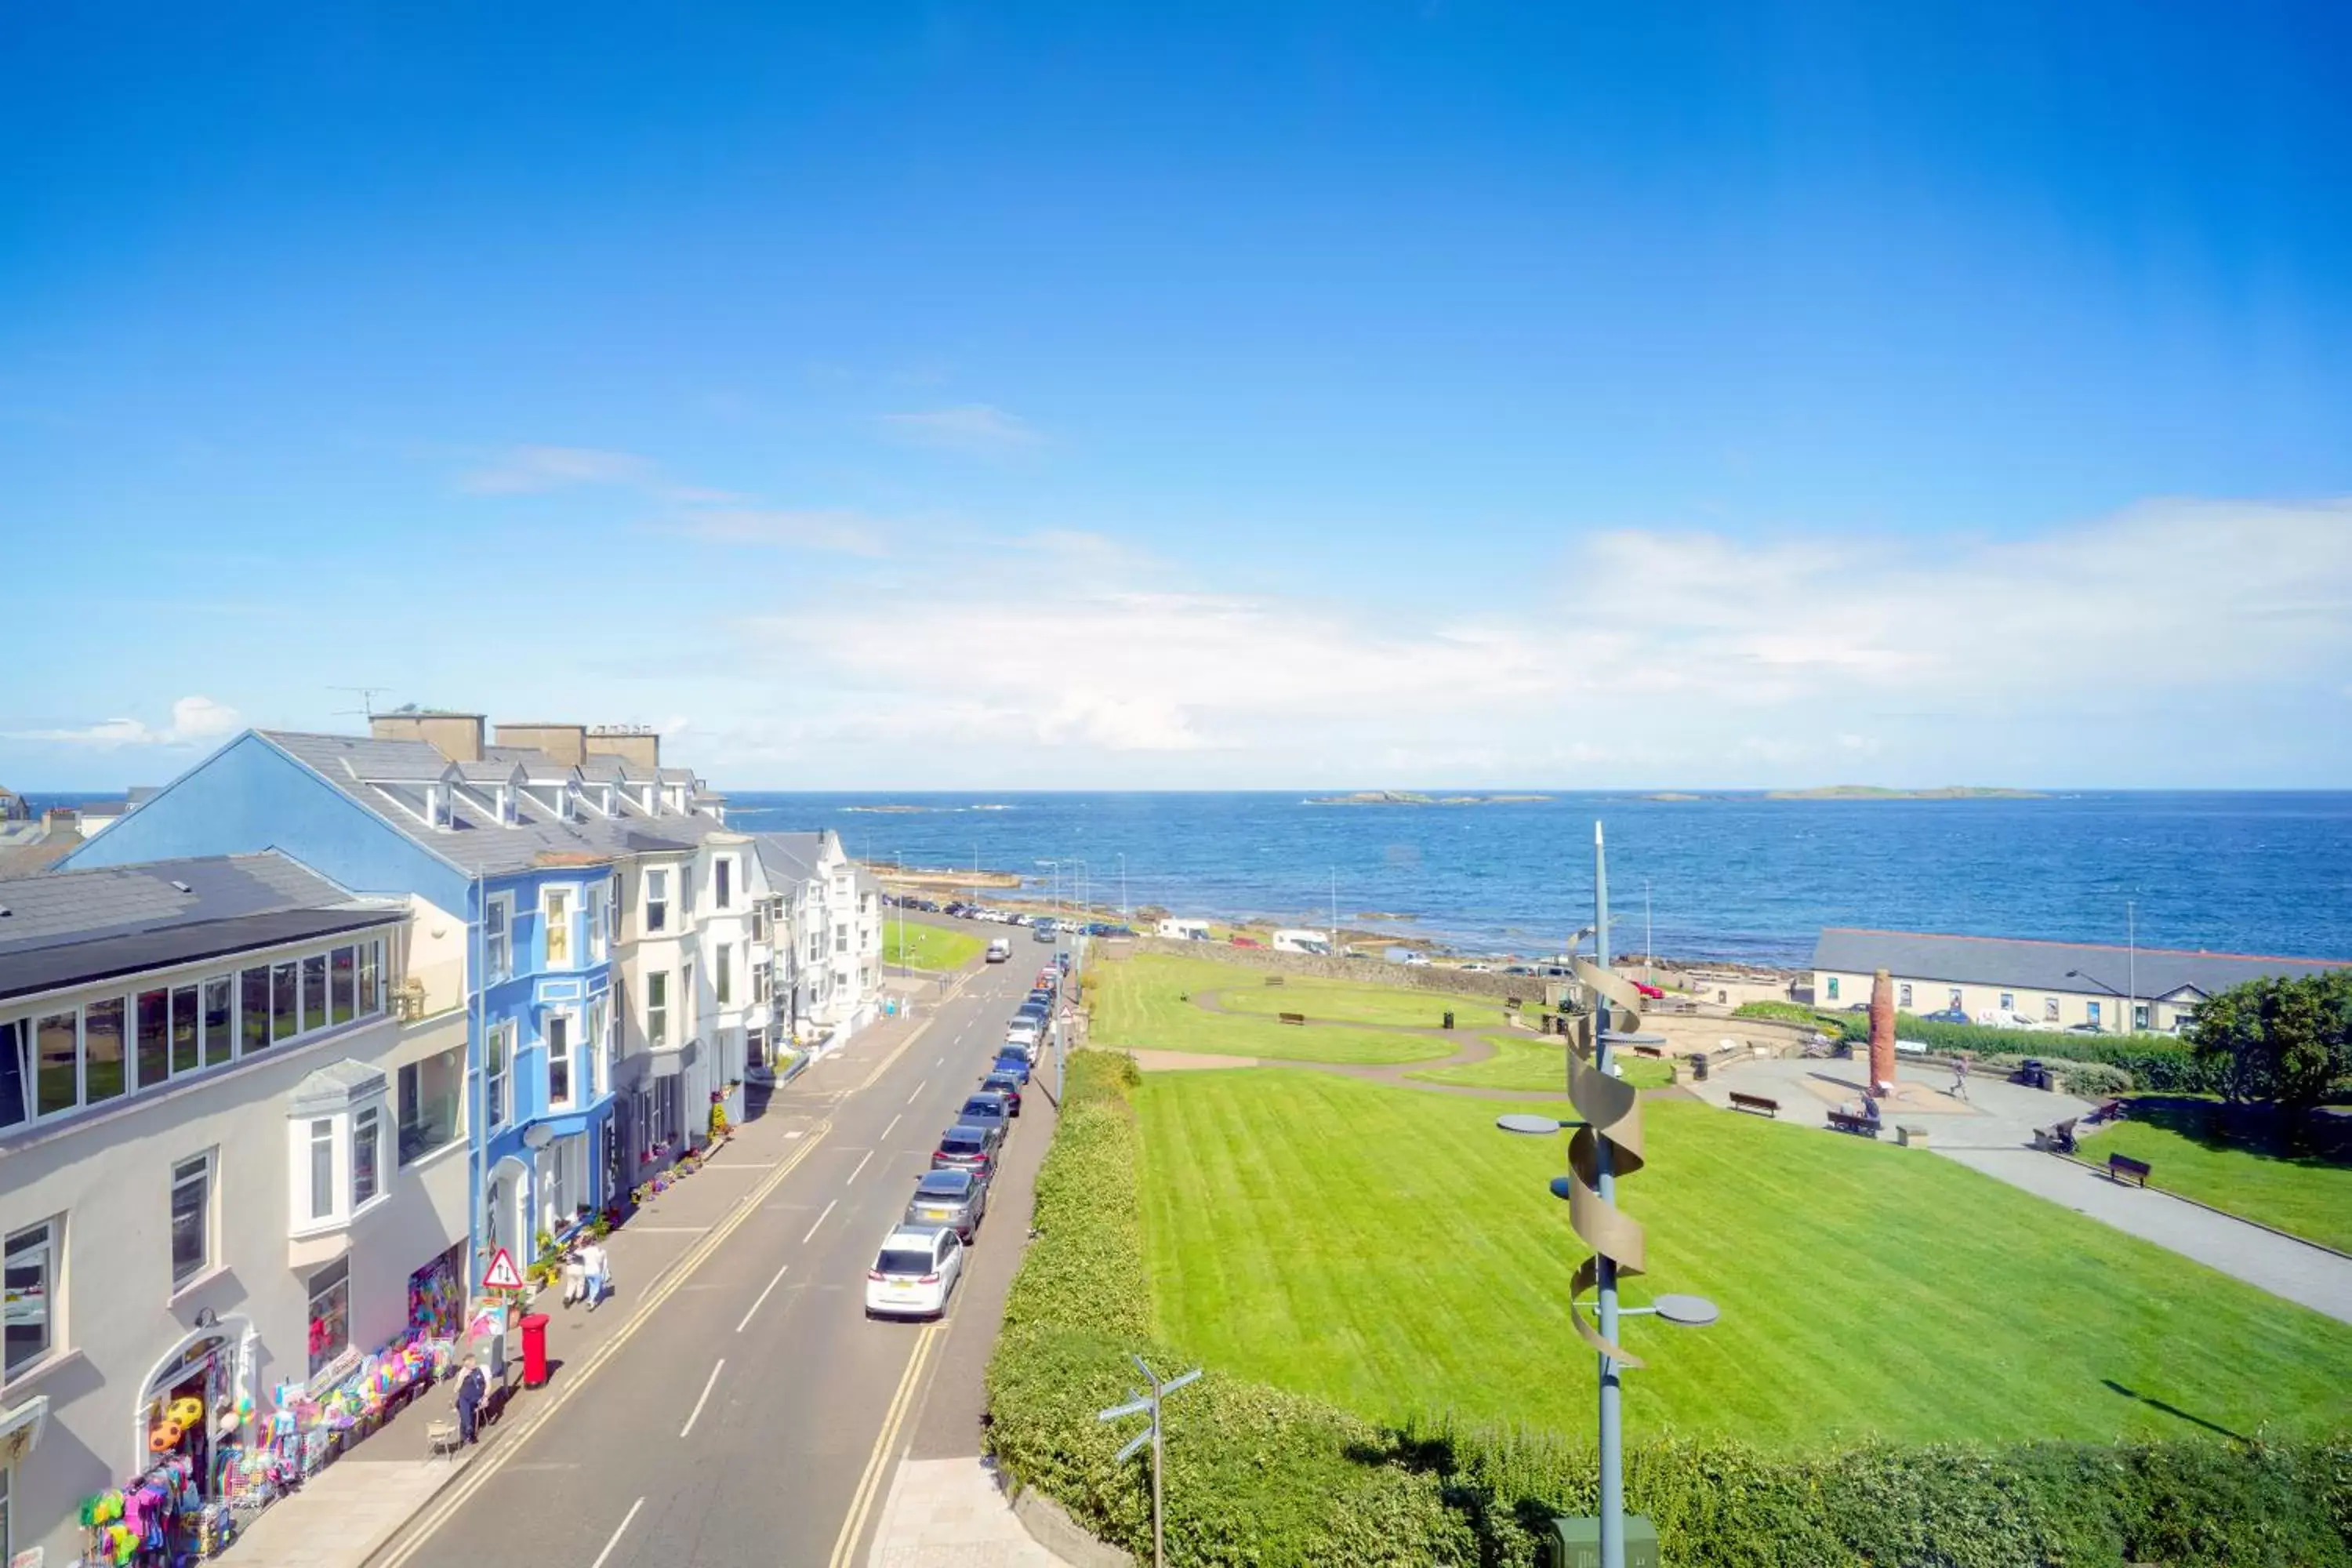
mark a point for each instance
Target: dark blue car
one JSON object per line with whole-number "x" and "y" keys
{"x": 1012, "y": 1062}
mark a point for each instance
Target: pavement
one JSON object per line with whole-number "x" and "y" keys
{"x": 732, "y": 1404}
{"x": 1991, "y": 1131}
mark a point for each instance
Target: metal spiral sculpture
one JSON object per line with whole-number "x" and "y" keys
{"x": 1611, "y": 1112}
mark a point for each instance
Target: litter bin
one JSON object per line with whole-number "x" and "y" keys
{"x": 1698, "y": 1066}
{"x": 534, "y": 1349}
{"x": 1576, "y": 1543}
{"x": 1449, "y": 1020}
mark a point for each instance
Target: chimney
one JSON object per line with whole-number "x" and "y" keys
{"x": 567, "y": 743}
{"x": 457, "y": 736}
{"x": 635, "y": 744}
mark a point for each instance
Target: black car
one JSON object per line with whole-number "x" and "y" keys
{"x": 1007, "y": 1082}
{"x": 986, "y": 1111}
{"x": 970, "y": 1149}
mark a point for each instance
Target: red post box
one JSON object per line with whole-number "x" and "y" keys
{"x": 534, "y": 1349}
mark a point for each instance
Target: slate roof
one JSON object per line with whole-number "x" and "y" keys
{"x": 66, "y": 927}
{"x": 2025, "y": 965}
{"x": 789, "y": 857}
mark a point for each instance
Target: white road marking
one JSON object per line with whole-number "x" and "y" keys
{"x": 861, "y": 1165}
{"x": 709, "y": 1383}
{"x": 819, "y": 1220}
{"x": 763, "y": 1301}
{"x": 886, "y": 1131}
{"x": 919, "y": 1091}
{"x": 621, "y": 1530}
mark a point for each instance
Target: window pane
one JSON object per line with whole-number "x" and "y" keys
{"x": 103, "y": 1051}
{"x": 191, "y": 1187}
{"x": 253, "y": 1009}
{"x": 559, "y": 1061}
{"x": 283, "y": 1013}
{"x": 365, "y": 1138}
{"x": 314, "y": 993}
{"x": 217, "y": 1021}
{"x": 322, "y": 1168}
{"x": 29, "y": 1278}
{"x": 154, "y": 1037}
{"x": 13, "y": 1108}
{"x": 331, "y": 1314}
{"x": 187, "y": 1053}
{"x": 343, "y": 992}
{"x": 430, "y": 1102}
{"x": 369, "y": 969}
{"x": 559, "y": 928}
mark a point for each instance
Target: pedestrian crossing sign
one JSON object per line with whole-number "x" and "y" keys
{"x": 501, "y": 1275}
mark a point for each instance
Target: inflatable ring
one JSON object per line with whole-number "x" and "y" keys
{"x": 186, "y": 1412}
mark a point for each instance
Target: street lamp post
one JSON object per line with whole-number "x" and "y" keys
{"x": 1122, "y": 888}
{"x": 2131, "y": 967}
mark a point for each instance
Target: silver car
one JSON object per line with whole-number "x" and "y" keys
{"x": 953, "y": 1198}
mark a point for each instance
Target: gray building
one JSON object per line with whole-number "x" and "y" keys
{"x": 232, "y": 1160}
{"x": 2013, "y": 982}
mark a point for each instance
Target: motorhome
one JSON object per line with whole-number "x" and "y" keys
{"x": 1184, "y": 931}
{"x": 1314, "y": 942}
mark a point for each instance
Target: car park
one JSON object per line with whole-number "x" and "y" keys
{"x": 964, "y": 1147}
{"x": 986, "y": 1110}
{"x": 1007, "y": 1081}
{"x": 914, "y": 1272}
{"x": 958, "y": 1199}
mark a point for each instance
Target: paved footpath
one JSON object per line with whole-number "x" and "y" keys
{"x": 1992, "y": 1132}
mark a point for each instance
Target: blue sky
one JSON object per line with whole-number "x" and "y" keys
{"x": 1352, "y": 394}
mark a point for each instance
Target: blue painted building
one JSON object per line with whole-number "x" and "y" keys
{"x": 511, "y": 866}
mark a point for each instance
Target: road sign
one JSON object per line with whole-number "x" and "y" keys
{"x": 1115, "y": 1411}
{"x": 501, "y": 1275}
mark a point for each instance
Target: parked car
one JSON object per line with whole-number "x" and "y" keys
{"x": 986, "y": 1111}
{"x": 954, "y": 1199}
{"x": 1948, "y": 1015}
{"x": 1247, "y": 942}
{"x": 1414, "y": 958}
{"x": 999, "y": 949}
{"x": 1007, "y": 1081}
{"x": 1045, "y": 931}
{"x": 1022, "y": 1032}
{"x": 964, "y": 1147}
{"x": 1652, "y": 991}
{"x": 2086, "y": 1028}
{"x": 1477, "y": 969}
{"x": 914, "y": 1272}
{"x": 1517, "y": 969}
{"x": 1040, "y": 996}
{"x": 1010, "y": 1059}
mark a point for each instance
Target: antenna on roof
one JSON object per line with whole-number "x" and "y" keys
{"x": 367, "y": 696}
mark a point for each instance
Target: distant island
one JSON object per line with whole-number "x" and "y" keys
{"x": 1863, "y": 792}
{"x": 1409, "y": 797}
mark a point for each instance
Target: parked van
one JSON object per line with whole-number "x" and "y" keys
{"x": 1314, "y": 942}
{"x": 1184, "y": 931}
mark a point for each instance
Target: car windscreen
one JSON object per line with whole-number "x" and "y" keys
{"x": 1003, "y": 1082}
{"x": 944, "y": 1184}
{"x": 980, "y": 1105}
{"x": 895, "y": 1261}
{"x": 964, "y": 1141}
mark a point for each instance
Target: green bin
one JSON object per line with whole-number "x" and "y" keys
{"x": 1576, "y": 1543}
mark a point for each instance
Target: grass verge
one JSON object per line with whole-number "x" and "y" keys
{"x": 2245, "y": 1160}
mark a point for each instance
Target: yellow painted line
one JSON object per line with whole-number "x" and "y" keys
{"x": 480, "y": 1473}
{"x": 877, "y": 1465}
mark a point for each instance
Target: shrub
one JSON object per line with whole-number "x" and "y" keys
{"x": 2158, "y": 1064}
{"x": 1791, "y": 1013}
{"x": 1259, "y": 1476}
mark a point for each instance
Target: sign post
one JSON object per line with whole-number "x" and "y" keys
{"x": 1140, "y": 1403}
{"x": 502, "y": 1274}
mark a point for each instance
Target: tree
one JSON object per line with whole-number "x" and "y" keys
{"x": 2288, "y": 1041}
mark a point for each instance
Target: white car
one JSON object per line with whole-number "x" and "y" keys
{"x": 1021, "y": 1035}
{"x": 1411, "y": 958}
{"x": 914, "y": 1272}
{"x": 998, "y": 951}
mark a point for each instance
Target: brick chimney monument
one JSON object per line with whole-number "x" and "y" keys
{"x": 1882, "y": 1034}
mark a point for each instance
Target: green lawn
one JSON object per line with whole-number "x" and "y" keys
{"x": 921, "y": 946}
{"x": 1382, "y": 1006}
{"x": 1392, "y": 1251}
{"x": 2245, "y": 1166}
{"x": 1537, "y": 1061}
{"x": 1144, "y": 1002}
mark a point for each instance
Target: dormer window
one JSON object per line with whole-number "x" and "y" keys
{"x": 510, "y": 810}
{"x": 438, "y": 804}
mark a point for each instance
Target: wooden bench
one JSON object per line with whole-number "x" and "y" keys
{"x": 1847, "y": 1121}
{"x": 1290, "y": 1017}
{"x": 1658, "y": 1052}
{"x": 1755, "y": 1102}
{"x": 2122, "y": 1166}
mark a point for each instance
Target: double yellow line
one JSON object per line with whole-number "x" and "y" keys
{"x": 480, "y": 1474}
{"x": 877, "y": 1465}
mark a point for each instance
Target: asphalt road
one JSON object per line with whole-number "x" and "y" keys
{"x": 754, "y": 1416}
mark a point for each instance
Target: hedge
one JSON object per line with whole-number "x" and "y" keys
{"x": 1256, "y": 1476}
{"x": 2158, "y": 1063}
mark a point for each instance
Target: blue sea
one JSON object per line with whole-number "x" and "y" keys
{"x": 1736, "y": 877}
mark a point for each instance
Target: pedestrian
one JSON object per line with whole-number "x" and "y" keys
{"x": 471, "y": 1388}
{"x": 1959, "y": 1078}
{"x": 575, "y": 1277}
{"x": 600, "y": 1273}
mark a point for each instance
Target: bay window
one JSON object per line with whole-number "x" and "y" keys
{"x": 432, "y": 1103}
{"x": 559, "y": 1061}
{"x": 498, "y": 1047}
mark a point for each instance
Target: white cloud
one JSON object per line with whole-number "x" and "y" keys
{"x": 193, "y": 718}
{"x": 529, "y": 470}
{"x": 2095, "y": 653}
{"x": 827, "y": 529}
{"x": 973, "y": 427}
